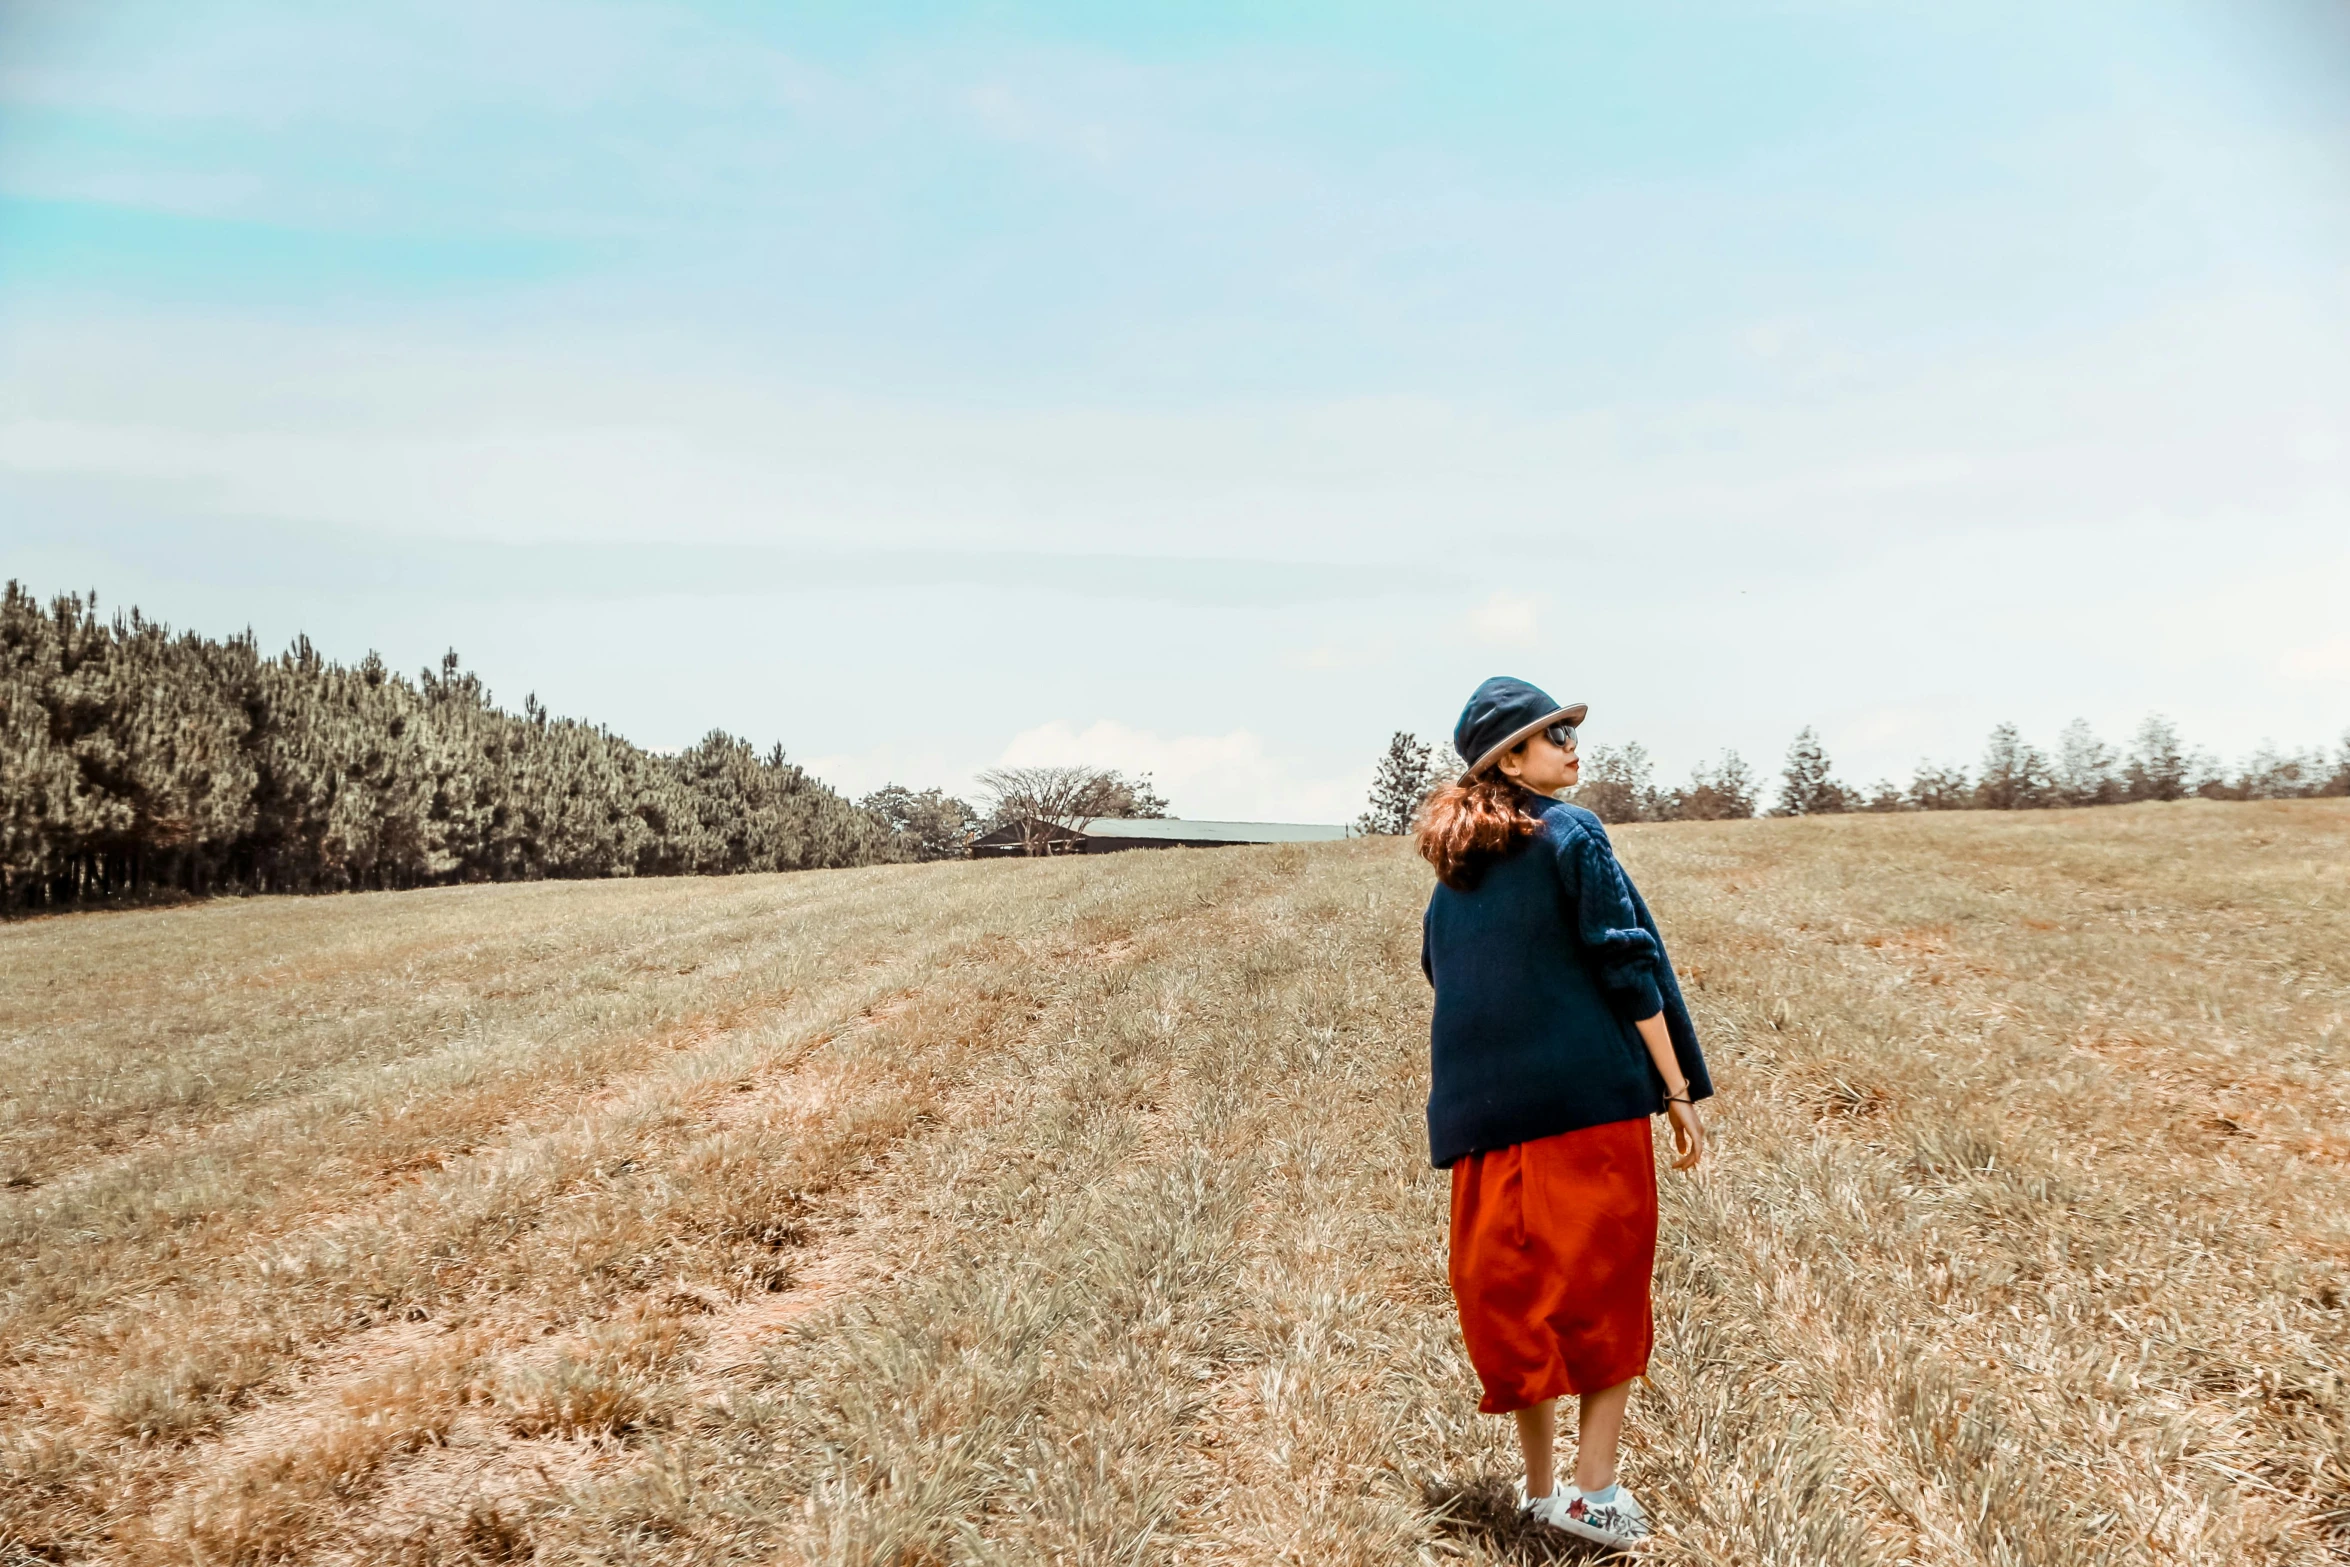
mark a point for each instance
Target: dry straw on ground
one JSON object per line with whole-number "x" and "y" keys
{"x": 1077, "y": 1211}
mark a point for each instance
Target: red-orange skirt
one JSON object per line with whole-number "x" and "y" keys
{"x": 1553, "y": 1242}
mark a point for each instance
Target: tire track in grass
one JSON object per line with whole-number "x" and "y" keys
{"x": 402, "y": 1254}
{"x": 881, "y": 1239}
{"x": 487, "y": 1471}
{"x": 233, "y": 1173}
{"x": 736, "y": 1183}
{"x": 90, "y": 1309}
{"x": 1322, "y": 1438}
{"x": 292, "y": 1468}
{"x": 195, "y": 1030}
{"x": 1027, "y": 1387}
{"x": 76, "y": 1464}
{"x": 604, "y": 1238}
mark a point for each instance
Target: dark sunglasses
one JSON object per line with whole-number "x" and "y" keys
{"x": 1561, "y": 735}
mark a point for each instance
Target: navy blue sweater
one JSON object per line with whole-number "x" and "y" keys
{"x": 1541, "y": 971}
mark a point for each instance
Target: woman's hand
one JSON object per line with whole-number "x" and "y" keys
{"x": 1688, "y": 1134}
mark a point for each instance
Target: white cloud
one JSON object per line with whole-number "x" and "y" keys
{"x": 1769, "y": 339}
{"x": 1216, "y": 777}
{"x": 1015, "y": 117}
{"x": 1507, "y": 620}
{"x": 2317, "y": 443}
{"x": 1922, "y": 470}
{"x": 2327, "y": 660}
{"x": 1330, "y": 657}
{"x": 858, "y": 773}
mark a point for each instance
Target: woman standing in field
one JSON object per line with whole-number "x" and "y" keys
{"x": 1558, "y": 1032}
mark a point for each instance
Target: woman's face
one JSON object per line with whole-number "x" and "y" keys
{"x": 1543, "y": 767}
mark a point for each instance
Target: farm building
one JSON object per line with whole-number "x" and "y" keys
{"x": 1109, "y": 834}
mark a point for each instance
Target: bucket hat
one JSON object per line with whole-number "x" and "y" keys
{"x": 1502, "y": 712}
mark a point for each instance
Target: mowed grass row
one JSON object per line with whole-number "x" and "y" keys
{"x": 583, "y": 1148}
{"x": 2026, "y": 1239}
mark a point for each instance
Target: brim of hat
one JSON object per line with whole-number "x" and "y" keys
{"x": 1565, "y": 715}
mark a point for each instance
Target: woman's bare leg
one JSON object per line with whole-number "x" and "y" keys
{"x": 1537, "y": 1432}
{"x": 1596, "y": 1435}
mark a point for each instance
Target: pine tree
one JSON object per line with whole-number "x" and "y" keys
{"x": 1723, "y": 792}
{"x": 2270, "y": 774}
{"x": 2158, "y": 765}
{"x": 1884, "y": 795}
{"x": 1618, "y": 784}
{"x": 1809, "y": 786}
{"x": 1135, "y": 799}
{"x": 2086, "y": 772}
{"x": 930, "y": 825}
{"x": 1405, "y": 777}
{"x": 1941, "y": 788}
{"x": 39, "y": 781}
{"x": 2015, "y": 776}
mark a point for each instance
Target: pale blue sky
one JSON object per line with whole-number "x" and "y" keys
{"x": 1206, "y": 388}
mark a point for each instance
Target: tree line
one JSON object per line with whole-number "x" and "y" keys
{"x": 1619, "y": 782}
{"x": 134, "y": 760}
{"x": 2083, "y": 770}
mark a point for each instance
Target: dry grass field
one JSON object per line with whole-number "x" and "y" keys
{"x": 1077, "y": 1212}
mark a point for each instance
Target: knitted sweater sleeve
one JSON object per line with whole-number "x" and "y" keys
{"x": 1607, "y": 924}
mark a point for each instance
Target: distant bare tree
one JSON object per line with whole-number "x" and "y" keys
{"x": 1035, "y": 798}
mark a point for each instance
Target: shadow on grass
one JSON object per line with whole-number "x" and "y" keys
{"x": 1483, "y": 1513}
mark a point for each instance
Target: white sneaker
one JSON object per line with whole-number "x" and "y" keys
{"x": 1620, "y": 1522}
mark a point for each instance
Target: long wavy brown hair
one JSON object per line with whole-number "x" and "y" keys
{"x": 1469, "y": 824}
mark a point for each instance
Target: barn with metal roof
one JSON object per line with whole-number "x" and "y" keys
{"x": 1110, "y": 834}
